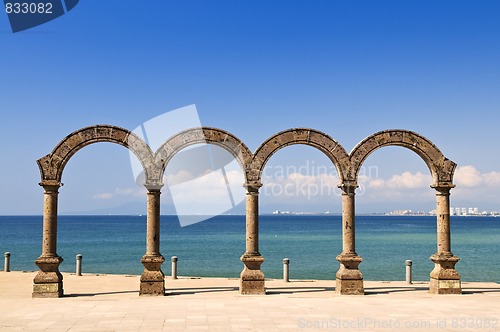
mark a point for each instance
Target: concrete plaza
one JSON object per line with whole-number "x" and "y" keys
{"x": 112, "y": 303}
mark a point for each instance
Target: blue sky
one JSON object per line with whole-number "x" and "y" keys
{"x": 348, "y": 68}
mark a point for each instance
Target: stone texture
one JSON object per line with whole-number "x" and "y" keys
{"x": 209, "y": 135}
{"x": 48, "y": 282}
{"x": 349, "y": 279}
{"x": 441, "y": 168}
{"x": 331, "y": 148}
{"x": 252, "y": 280}
{"x": 52, "y": 165}
{"x": 349, "y": 287}
{"x": 152, "y": 279}
{"x": 444, "y": 278}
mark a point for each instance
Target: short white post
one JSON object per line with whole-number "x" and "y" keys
{"x": 6, "y": 266}
{"x": 79, "y": 265}
{"x": 286, "y": 270}
{"x": 174, "y": 267}
{"x": 408, "y": 271}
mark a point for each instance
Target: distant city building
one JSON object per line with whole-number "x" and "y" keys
{"x": 406, "y": 213}
{"x": 457, "y": 211}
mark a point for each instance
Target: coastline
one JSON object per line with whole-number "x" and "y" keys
{"x": 108, "y": 302}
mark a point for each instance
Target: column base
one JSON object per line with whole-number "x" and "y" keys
{"x": 48, "y": 282}
{"x": 52, "y": 290}
{"x": 349, "y": 279}
{"x": 349, "y": 287}
{"x": 444, "y": 278}
{"x": 437, "y": 286}
{"x": 152, "y": 279}
{"x": 252, "y": 280}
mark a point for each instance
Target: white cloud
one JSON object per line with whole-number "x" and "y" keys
{"x": 492, "y": 179}
{"x": 376, "y": 183}
{"x": 299, "y": 186}
{"x": 470, "y": 177}
{"x": 135, "y": 192}
{"x": 324, "y": 184}
{"x": 409, "y": 180}
{"x": 398, "y": 186}
{"x": 103, "y": 196}
{"x": 209, "y": 193}
{"x": 180, "y": 177}
{"x": 406, "y": 180}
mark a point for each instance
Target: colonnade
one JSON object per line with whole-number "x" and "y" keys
{"x": 444, "y": 279}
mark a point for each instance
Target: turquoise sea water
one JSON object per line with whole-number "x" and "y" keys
{"x": 115, "y": 244}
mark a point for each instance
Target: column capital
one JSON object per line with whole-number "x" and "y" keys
{"x": 443, "y": 188}
{"x": 152, "y": 187}
{"x": 50, "y": 186}
{"x": 348, "y": 187}
{"x": 252, "y": 186}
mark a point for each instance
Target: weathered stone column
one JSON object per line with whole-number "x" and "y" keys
{"x": 252, "y": 281}
{"x": 49, "y": 281}
{"x": 153, "y": 279}
{"x": 444, "y": 278}
{"x": 349, "y": 278}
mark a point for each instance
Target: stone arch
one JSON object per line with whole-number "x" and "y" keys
{"x": 52, "y": 165}
{"x": 252, "y": 279}
{"x": 441, "y": 168}
{"x": 209, "y": 135}
{"x": 317, "y": 139}
{"x": 48, "y": 281}
{"x": 444, "y": 279}
{"x": 243, "y": 155}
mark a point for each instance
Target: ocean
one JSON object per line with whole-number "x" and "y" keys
{"x": 115, "y": 245}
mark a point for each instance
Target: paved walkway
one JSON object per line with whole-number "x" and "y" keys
{"x": 112, "y": 303}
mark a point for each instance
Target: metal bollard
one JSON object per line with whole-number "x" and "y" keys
{"x": 174, "y": 267}
{"x": 79, "y": 265}
{"x": 6, "y": 266}
{"x": 408, "y": 271}
{"x": 286, "y": 270}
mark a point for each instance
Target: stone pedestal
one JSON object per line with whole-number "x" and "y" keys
{"x": 444, "y": 278}
{"x": 152, "y": 279}
{"x": 48, "y": 282}
{"x": 252, "y": 280}
{"x": 349, "y": 279}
